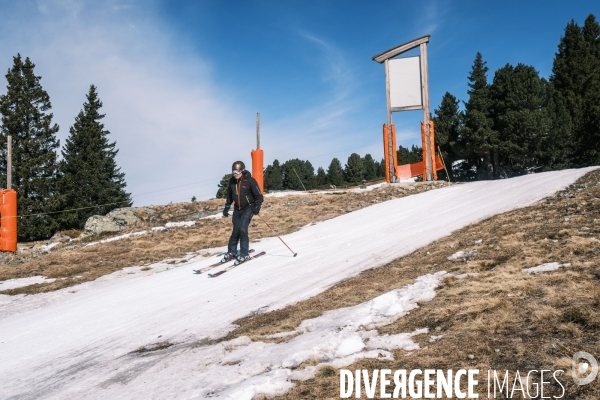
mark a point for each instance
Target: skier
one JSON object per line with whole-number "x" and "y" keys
{"x": 244, "y": 193}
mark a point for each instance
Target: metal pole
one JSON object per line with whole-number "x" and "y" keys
{"x": 258, "y": 130}
{"x": 9, "y": 162}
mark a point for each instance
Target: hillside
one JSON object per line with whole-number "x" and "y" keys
{"x": 173, "y": 334}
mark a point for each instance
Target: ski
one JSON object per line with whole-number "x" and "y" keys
{"x": 262, "y": 253}
{"x": 215, "y": 265}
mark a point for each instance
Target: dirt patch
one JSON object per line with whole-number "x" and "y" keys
{"x": 497, "y": 318}
{"x": 74, "y": 264}
{"x": 153, "y": 347}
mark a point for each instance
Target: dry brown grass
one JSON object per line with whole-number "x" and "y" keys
{"x": 502, "y": 319}
{"x": 72, "y": 265}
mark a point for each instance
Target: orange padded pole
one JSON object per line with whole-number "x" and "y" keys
{"x": 385, "y": 153}
{"x": 432, "y": 147}
{"x": 424, "y": 144}
{"x": 395, "y": 152}
{"x": 257, "y": 167}
{"x": 8, "y": 220}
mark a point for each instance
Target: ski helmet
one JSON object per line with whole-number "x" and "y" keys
{"x": 238, "y": 165}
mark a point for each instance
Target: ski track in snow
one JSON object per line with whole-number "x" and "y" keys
{"x": 65, "y": 345}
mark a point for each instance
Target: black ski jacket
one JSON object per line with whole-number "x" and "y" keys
{"x": 244, "y": 193}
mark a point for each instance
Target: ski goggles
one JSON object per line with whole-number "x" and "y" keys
{"x": 236, "y": 171}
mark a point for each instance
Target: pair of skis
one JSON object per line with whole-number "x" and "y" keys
{"x": 235, "y": 264}
{"x": 208, "y": 268}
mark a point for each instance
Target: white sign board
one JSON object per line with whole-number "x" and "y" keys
{"x": 405, "y": 82}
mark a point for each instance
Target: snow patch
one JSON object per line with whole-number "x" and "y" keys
{"x": 553, "y": 266}
{"x": 461, "y": 255}
{"x": 20, "y": 282}
{"x": 178, "y": 224}
{"x": 337, "y": 338}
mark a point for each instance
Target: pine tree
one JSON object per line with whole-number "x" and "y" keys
{"x": 480, "y": 140}
{"x": 576, "y": 95}
{"x": 335, "y": 173}
{"x": 26, "y": 117}
{"x": 406, "y": 156}
{"x": 298, "y": 175}
{"x": 518, "y": 108}
{"x": 321, "y": 177}
{"x": 381, "y": 168}
{"x": 447, "y": 126}
{"x": 223, "y": 186}
{"x": 354, "y": 170}
{"x": 590, "y": 135}
{"x": 370, "y": 167}
{"x": 90, "y": 179}
{"x": 273, "y": 176}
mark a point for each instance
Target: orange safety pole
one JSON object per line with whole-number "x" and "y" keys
{"x": 432, "y": 147}
{"x": 257, "y": 167}
{"x": 8, "y": 220}
{"x": 424, "y": 144}
{"x": 385, "y": 153}
{"x": 395, "y": 152}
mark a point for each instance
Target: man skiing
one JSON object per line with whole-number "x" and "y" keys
{"x": 244, "y": 193}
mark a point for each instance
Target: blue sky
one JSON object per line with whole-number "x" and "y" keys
{"x": 181, "y": 81}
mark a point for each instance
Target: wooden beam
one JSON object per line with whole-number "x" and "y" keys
{"x": 9, "y": 162}
{"x": 406, "y": 108}
{"x": 425, "y": 91}
{"x": 258, "y": 130}
{"x": 380, "y": 58}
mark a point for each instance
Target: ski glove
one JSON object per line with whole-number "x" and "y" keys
{"x": 255, "y": 210}
{"x": 226, "y": 210}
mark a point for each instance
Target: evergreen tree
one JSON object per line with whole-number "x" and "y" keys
{"x": 576, "y": 95}
{"x": 354, "y": 170}
{"x": 335, "y": 173}
{"x": 321, "y": 177}
{"x": 273, "y": 176}
{"x": 518, "y": 108}
{"x": 298, "y": 175}
{"x": 223, "y": 185}
{"x": 405, "y": 156}
{"x": 447, "y": 126}
{"x": 479, "y": 138}
{"x": 25, "y": 116}
{"x": 370, "y": 167}
{"x": 381, "y": 168}
{"x": 89, "y": 173}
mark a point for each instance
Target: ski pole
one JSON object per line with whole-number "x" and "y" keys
{"x": 295, "y": 254}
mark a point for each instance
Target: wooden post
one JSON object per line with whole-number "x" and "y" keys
{"x": 9, "y": 162}
{"x": 425, "y": 92}
{"x": 258, "y": 130}
{"x": 390, "y": 149}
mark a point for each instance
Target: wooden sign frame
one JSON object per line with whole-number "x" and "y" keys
{"x": 384, "y": 58}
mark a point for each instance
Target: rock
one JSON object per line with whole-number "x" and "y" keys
{"x": 99, "y": 223}
{"x": 119, "y": 219}
{"x": 58, "y": 238}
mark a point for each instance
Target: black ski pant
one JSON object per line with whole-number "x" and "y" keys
{"x": 241, "y": 219}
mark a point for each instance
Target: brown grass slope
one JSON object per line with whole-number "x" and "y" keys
{"x": 74, "y": 264}
{"x": 502, "y": 319}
